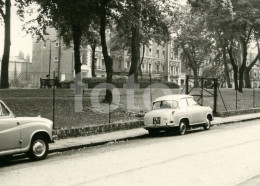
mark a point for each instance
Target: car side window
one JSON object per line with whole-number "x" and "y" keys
{"x": 183, "y": 103}
{"x": 3, "y": 110}
{"x": 191, "y": 102}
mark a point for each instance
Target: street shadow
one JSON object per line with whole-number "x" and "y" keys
{"x": 170, "y": 133}
{"x": 7, "y": 161}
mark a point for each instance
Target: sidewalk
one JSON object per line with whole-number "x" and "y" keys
{"x": 87, "y": 141}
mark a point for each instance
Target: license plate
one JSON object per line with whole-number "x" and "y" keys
{"x": 156, "y": 120}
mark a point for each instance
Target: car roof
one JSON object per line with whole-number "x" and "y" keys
{"x": 172, "y": 97}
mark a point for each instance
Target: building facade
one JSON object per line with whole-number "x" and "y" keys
{"x": 19, "y": 71}
{"x": 52, "y": 57}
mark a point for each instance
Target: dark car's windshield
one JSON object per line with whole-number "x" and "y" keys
{"x": 170, "y": 104}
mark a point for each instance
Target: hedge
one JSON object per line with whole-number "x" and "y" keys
{"x": 119, "y": 81}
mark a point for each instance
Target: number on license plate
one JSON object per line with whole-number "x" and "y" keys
{"x": 156, "y": 120}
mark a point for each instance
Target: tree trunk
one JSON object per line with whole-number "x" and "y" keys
{"x": 234, "y": 66}
{"x": 77, "y": 33}
{"x": 247, "y": 71}
{"x": 107, "y": 58}
{"x": 141, "y": 62}
{"x": 7, "y": 43}
{"x": 93, "y": 47}
{"x": 247, "y": 78}
{"x": 243, "y": 65}
{"x": 226, "y": 68}
{"x": 195, "y": 73}
{"x": 135, "y": 45}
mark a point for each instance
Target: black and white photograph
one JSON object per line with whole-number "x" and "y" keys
{"x": 129, "y": 92}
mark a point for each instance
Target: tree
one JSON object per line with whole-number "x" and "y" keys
{"x": 139, "y": 22}
{"x": 71, "y": 19}
{"x": 193, "y": 39}
{"x": 256, "y": 26}
{"x": 103, "y": 13}
{"x": 244, "y": 23}
{"x": 93, "y": 39}
{"x": 6, "y": 16}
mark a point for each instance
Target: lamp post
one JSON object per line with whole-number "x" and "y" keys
{"x": 49, "y": 59}
{"x": 150, "y": 75}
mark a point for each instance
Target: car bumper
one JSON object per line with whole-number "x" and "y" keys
{"x": 153, "y": 126}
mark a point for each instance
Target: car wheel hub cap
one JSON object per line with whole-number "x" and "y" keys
{"x": 39, "y": 148}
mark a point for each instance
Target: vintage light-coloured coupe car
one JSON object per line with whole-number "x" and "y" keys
{"x": 30, "y": 135}
{"x": 179, "y": 112}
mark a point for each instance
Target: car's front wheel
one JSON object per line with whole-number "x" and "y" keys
{"x": 182, "y": 127}
{"x": 39, "y": 148}
{"x": 207, "y": 124}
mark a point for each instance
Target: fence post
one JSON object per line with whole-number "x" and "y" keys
{"x": 236, "y": 99}
{"x": 187, "y": 85}
{"x": 215, "y": 96}
{"x": 53, "y": 105}
{"x": 254, "y": 93}
{"x": 202, "y": 87}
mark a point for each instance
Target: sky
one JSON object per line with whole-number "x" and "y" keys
{"x": 19, "y": 40}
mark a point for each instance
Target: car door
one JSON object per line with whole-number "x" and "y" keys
{"x": 186, "y": 111}
{"x": 10, "y": 133}
{"x": 196, "y": 110}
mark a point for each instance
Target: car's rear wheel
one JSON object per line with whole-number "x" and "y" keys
{"x": 153, "y": 132}
{"x": 39, "y": 148}
{"x": 182, "y": 127}
{"x": 207, "y": 124}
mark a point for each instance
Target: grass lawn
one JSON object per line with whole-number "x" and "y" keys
{"x": 34, "y": 102}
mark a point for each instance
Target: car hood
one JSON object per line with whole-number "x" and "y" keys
{"x": 33, "y": 120}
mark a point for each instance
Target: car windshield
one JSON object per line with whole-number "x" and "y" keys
{"x": 166, "y": 104}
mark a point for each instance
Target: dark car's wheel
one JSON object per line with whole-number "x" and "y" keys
{"x": 207, "y": 125}
{"x": 153, "y": 132}
{"x": 182, "y": 127}
{"x": 39, "y": 148}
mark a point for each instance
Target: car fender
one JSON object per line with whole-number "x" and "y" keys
{"x": 27, "y": 143}
{"x": 177, "y": 122}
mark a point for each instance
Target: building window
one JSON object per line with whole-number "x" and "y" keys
{"x": 158, "y": 53}
{"x": 157, "y": 69}
{"x": 95, "y": 63}
{"x": 150, "y": 52}
{"x": 177, "y": 70}
{"x": 171, "y": 55}
{"x": 171, "y": 69}
{"x": 176, "y": 57}
{"x": 57, "y": 44}
{"x": 119, "y": 64}
{"x": 56, "y": 59}
{"x": 62, "y": 77}
{"x": 128, "y": 64}
{"x": 143, "y": 66}
{"x": 103, "y": 63}
{"x": 163, "y": 54}
{"x": 163, "y": 68}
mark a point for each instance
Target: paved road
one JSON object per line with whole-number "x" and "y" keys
{"x": 225, "y": 155}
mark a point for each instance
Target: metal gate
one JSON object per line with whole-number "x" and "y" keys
{"x": 201, "y": 87}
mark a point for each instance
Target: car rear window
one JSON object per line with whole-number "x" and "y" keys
{"x": 171, "y": 104}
